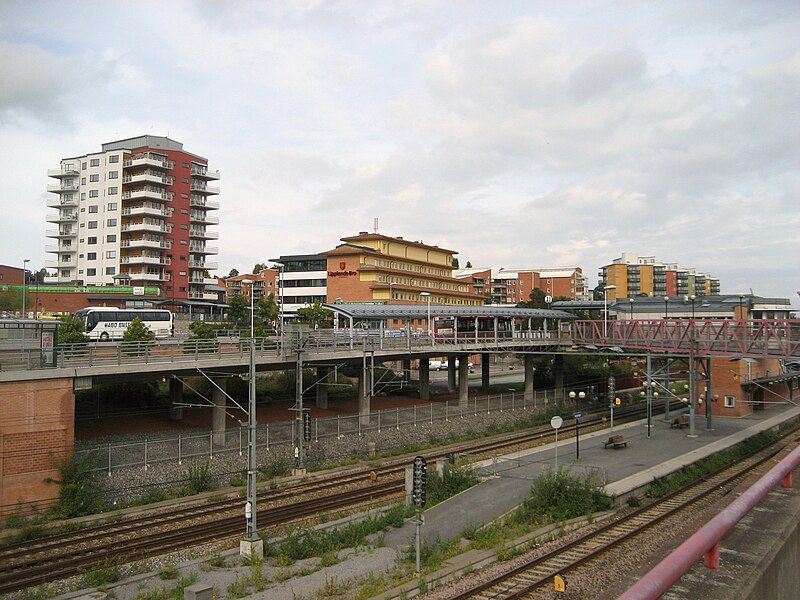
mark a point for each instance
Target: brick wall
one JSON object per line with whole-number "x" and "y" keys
{"x": 36, "y": 433}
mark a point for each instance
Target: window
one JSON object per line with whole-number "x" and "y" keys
{"x": 114, "y": 158}
{"x": 184, "y": 180}
{"x": 112, "y": 206}
{"x": 111, "y": 223}
{"x": 113, "y": 174}
{"x": 83, "y": 195}
{"x": 111, "y": 254}
{"x": 65, "y": 273}
{"x": 95, "y": 162}
{"x": 111, "y": 270}
{"x": 729, "y": 402}
{"x": 83, "y": 166}
{"x": 94, "y": 178}
{"x": 91, "y": 240}
{"x": 93, "y": 193}
{"x": 91, "y": 256}
{"x": 92, "y": 224}
{"x": 184, "y": 211}
{"x": 91, "y": 272}
{"x": 83, "y": 209}
{"x": 185, "y": 165}
{"x": 111, "y": 238}
{"x": 93, "y": 208}
{"x": 112, "y": 191}
{"x": 80, "y": 255}
{"x": 183, "y": 242}
{"x": 184, "y": 226}
{"x": 83, "y": 180}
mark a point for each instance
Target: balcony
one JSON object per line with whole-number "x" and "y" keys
{"x": 200, "y": 187}
{"x": 203, "y": 280}
{"x": 203, "y": 234}
{"x": 202, "y": 249}
{"x": 205, "y": 265}
{"x": 61, "y": 233}
{"x": 63, "y": 188}
{"x": 198, "y": 201}
{"x": 145, "y": 243}
{"x": 62, "y": 172}
{"x": 54, "y": 279}
{"x": 202, "y": 172}
{"x": 148, "y": 160}
{"x": 140, "y": 276}
{"x": 148, "y": 194}
{"x": 203, "y": 296}
{"x": 70, "y": 201}
{"x": 64, "y": 217}
{"x": 201, "y": 216}
{"x": 148, "y": 177}
{"x": 141, "y": 259}
{"x": 146, "y": 211}
{"x": 134, "y": 227}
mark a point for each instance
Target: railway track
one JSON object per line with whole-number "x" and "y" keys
{"x": 59, "y": 556}
{"x": 538, "y": 572}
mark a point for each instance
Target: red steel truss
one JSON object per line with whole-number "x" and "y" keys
{"x": 710, "y": 337}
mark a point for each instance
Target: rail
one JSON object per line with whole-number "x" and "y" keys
{"x": 760, "y": 338}
{"x": 705, "y": 542}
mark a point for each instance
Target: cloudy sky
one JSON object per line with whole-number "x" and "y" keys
{"x": 519, "y": 133}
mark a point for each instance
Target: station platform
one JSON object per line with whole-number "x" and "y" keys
{"x": 511, "y": 476}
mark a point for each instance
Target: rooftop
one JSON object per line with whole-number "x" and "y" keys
{"x": 365, "y": 235}
{"x": 420, "y": 311}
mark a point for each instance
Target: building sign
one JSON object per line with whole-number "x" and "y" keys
{"x": 138, "y": 290}
{"x": 342, "y": 273}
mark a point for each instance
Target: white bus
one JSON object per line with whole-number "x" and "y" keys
{"x": 109, "y": 323}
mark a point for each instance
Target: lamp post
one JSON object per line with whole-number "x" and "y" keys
{"x": 650, "y": 393}
{"x": 252, "y": 285}
{"x": 25, "y": 262}
{"x": 427, "y": 296}
{"x": 666, "y": 307}
{"x": 281, "y": 268}
{"x": 605, "y": 308}
{"x": 741, "y": 305}
{"x": 630, "y": 300}
{"x": 577, "y": 415}
{"x": 251, "y": 545}
{"x": 692, "y": 298}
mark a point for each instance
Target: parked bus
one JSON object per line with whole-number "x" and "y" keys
{"x": 109, "y": 323}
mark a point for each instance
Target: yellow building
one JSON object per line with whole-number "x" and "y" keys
{"x": 371, "y": 267}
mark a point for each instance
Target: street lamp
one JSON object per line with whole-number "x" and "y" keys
{"x": 692, "y": 298}
{"x": 666, "y": 307}
{"x": 25, "y": 261}
{"x": 581, "y": 395}
{"x": 252, "y": 285}
{"x": 650, "y": 393}
{"x": 281, "y": 268}
{"x": 605, "y": 308}
{"x": 427, "y": 296}
{"x": 631, "y": 306}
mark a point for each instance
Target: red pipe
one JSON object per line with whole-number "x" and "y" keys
{"x": 706, "y": 541}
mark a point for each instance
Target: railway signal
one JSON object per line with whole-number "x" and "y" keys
{"x": 306, "y": 427}
{"x": 418, "y": 490}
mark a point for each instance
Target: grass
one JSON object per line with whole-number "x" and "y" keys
{"x": 102, "y": 575}
{"x": 168, "y": 572}
{"x": 454, "y": 480}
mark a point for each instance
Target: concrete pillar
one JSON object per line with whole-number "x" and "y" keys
{"x": 218, "y": 414}
{"x": 424, "y": 378}
{"x": 323, "y": 376}
{"x": 175, "y": 397}
{"x": 485, "y": 371}
{"x": 451, "y": 373}
{"x": 406, "y": 369}
{"x": 558, "y": 375}
{"x": 463, "y": 381}
{"x": 364, "y": 397}
{"x": 527, "y": 393}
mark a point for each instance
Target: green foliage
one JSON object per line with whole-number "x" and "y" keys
{"x": 239, "y": 588}
{"x": 200, "y": 478}
{"x": 558, "y": 495}
{"x": 202, "y": 338}
{"x": 80, "y": 490}
{"x": 267, "y": 310}
{"x": 315, "y": 315}
{"x": 137, "y": 332}
{"x": 238, "y": 309}
{"x": 329, "y": 559}
{"x": 258, "y": 267}
{"x": 277, "y": 464}
{"x": 168, "y": 572}
{"x": 102, "y": 575}
{"x": 535, "y": 300}
{"x": 233, "y": 273}
{"x": 71, "y": 330}
{"x": 301, "y": 544}
{"x": 455, "y": 480}
{"x": 633, "y": 502}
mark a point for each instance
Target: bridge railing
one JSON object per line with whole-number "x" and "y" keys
{"x": 765, "y": 338}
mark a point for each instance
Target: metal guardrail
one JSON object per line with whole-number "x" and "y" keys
{"x": 208, "y": 445}
{"x": 178, "y": 350}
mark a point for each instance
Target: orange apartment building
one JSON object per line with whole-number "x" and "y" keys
{"x": 371, "y": 267}
{"x": 265, "y": 282}
{"x": 510, "y": 286}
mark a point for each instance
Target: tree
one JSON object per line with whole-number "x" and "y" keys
{"x": 314, "y": 314}
{"x": 536, "y": 300}
{"x": 137, "y": 332}
{"x": 37, "y": 277}
{"x": 71, "y": 331}
{"x": 469, "y": 265}
{"x": 455, "y": 263}
{"x": 202, "y": 337}
{"x": 237, "y": 309}
{"x": 267, "y": 309}
{"x": 233, "y": 273}
{"x": 258, "y": 268}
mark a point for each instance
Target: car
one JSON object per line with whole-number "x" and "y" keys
{"x": 437, "y": 365}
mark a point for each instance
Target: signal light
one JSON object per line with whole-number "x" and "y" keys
{"x": 306, "y": 427}
{"x": 419, "y": 481}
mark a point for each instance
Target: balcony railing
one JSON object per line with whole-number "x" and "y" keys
{"x": 62, "y": 173}
{"x": 205, "y": 265}
{"x": 198, "y": 201}
{"x": 201, "y": 187}
{"x": 149, "y": 160}
{"x": 145, "y": 243}
{"x": 62, "y": 188}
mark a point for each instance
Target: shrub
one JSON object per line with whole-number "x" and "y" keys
{"x": 80, "y": 490}
{"x": 168, "y": 572}
{"x": 558, "y": 495}
{"x": 102, "y": 575}
{"x": 277, "y": 465}
{"x": 454, "y": 480}
{"x": 200, "y": 478}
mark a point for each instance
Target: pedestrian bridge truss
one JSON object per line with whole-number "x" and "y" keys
{"x": 778, "y": 339}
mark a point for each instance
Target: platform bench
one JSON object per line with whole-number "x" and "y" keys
{"x": 616, "y": 441}
{"x": 680, "y": 422}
